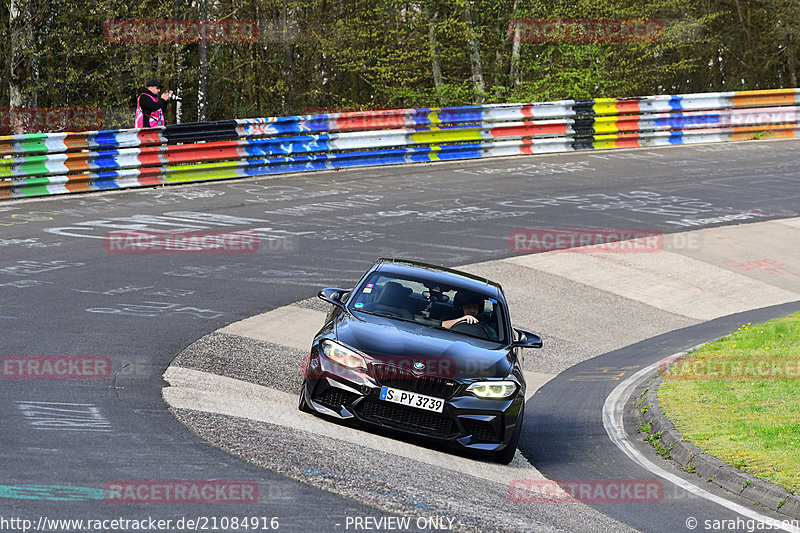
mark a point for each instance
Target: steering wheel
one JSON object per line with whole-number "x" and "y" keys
{"x": 476, "y": 330}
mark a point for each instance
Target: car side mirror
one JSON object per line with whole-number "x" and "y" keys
{"x": 527, "y": 339}
{"x": 333, "y": 297}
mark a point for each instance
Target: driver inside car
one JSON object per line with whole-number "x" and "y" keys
{"x": 468, "y": 308}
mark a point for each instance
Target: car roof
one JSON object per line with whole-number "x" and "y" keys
{"x": 445, "y": 276}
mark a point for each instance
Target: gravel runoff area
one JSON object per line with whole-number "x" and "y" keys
{"x": 263, "y": 363}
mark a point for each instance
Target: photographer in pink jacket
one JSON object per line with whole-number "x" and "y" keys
{"x": 150, "y": 108}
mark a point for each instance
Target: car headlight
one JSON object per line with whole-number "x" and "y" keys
{"x": 342, "y": 355}
{"x": 493, "y": 389}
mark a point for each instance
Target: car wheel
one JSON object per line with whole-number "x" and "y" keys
{"x": 507, "y": 455}
{"x": 303, "y": 404}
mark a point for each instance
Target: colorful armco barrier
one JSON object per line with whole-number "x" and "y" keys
{"x": 58, "y": 163}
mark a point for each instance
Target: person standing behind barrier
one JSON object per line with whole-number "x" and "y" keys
{"x": 150, "y": 108}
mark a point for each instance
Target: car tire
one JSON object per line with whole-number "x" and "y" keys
{"x": 507, "y": 454}
{"x": 303, "y": 404}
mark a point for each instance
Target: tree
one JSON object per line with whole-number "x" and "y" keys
{"x": 365, "y": 54}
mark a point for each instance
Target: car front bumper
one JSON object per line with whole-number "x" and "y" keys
{"x": 465, "y": 421}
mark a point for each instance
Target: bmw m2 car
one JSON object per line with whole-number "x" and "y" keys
{"x": 423, "y": 350}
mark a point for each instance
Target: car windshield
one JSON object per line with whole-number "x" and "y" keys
{"x": 431, "y": 304}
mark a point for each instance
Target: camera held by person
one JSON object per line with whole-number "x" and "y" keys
{"x": 150, "y": 107}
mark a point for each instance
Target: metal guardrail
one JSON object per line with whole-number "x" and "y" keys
{"x": 57, "y": 163}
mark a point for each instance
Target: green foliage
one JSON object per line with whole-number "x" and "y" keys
{"x": 367, "y": 54}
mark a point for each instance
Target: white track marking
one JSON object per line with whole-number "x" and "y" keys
{"x": 613, "y": 410}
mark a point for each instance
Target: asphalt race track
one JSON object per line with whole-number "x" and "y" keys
{"x": 64, "y": 293}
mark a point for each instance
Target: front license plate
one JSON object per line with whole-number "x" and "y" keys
{"x": 412, "y": 399}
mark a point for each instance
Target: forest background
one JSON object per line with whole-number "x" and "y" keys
{"x": 308, "y": 56}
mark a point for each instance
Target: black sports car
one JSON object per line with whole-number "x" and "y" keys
{"x": 425, "y": 350}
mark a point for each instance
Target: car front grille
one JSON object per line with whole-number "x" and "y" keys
{"x": 398, "y": 378}
{"x": 335, "y": 397}
{"x": 480, "y": 431}
{"x": 406, "y": 418}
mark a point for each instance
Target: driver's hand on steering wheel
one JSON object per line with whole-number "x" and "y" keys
{"x": 469, "y": 319}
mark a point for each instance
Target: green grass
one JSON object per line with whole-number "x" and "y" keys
{"x": 738, "y": 399}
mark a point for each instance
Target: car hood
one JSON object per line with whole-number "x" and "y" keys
{"x": 404, "y": 343}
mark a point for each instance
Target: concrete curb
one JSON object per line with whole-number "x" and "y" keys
{"x": 692, "y": 459}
